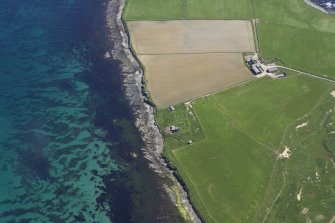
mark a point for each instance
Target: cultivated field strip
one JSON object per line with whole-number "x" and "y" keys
{"x": 186, "y": 59}
{"x": 191, "y": 36}
{"x": 182, "y": 77}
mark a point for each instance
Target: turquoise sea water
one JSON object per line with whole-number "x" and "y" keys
{"x": 65, "y": 129}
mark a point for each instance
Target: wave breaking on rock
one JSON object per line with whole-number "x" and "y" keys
{"x": 132, "y": 76}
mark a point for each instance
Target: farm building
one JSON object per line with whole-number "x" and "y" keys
{"x": 281, "y": 75}
{"x": 259, "y": 67}
{"x": 174, "y": 129}
{"x": 251, "y": 62}
{"x": 256, "y": 69}
{"x": 272, "y": 70}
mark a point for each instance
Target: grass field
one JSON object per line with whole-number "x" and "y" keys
{"x": 306, "y": 193}
{"x": 297, "y": 34}
{"x": 218, "y": 9}
{"x": 232, "y": 170}
{"x": 316, "y": 49}
{"x": 154, "y": 10}
{"x": 228, "y": 171}
{"x": 187, "y": 9}
{"x": 270, "y": 106}
{"x": 226, "y": 185}
{"x": 292, "y": 31}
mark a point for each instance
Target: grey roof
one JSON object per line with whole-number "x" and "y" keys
{"x": 255, "y": 69}
{"x": 281, "y": 75}
{"x": 272, "y": 69}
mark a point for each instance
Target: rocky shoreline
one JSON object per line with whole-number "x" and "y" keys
{"x": 312, "y": 4}
{"x": 132, "y": 75}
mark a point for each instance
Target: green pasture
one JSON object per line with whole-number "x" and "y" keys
{"x": 264, "y": 108}
{"x": 187, "y": 9}
{"x": 183, "y": 118}
{"x": 289, "y": 30}
{"x": 154, "y": 10}
{"x": 232, "y": 170}
{"x": 214, "y": 9}
{"x": 303, "y": 49}
{"x": 224, "y": 173}
{"x": 297, "y": 34}
{"x": 305, "y": 193}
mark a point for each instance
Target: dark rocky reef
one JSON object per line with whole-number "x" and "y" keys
{"x": 132, "y": 75}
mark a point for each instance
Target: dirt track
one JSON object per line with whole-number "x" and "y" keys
{"x": 178, "y": 78}
{"x": 191, "y": 36}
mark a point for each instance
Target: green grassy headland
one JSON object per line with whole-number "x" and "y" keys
{"x": 232, "y": 170}
{"x": 299, "y": 35}
{"x": 154, "y": 10}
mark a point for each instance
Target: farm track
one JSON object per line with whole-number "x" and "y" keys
{"x": 300, "y": 142}
{"x": 308, "y": 74}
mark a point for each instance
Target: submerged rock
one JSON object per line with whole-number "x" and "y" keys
{"x": 132, "y": 74}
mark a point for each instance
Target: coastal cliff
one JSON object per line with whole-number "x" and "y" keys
{"x": 132, "y": 75}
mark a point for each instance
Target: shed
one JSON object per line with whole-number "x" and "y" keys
{"x": 259, "y": 67}
{"x": 251, "y": 62}
{"x": 174, "y": 129}
{"x": 255, "y": 70}
{"x": 281, "y": 75}
{"x": 272, "y": 70}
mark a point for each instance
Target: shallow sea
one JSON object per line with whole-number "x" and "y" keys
{"x": 65, "y": 130}
{"x": 328, "y": 5}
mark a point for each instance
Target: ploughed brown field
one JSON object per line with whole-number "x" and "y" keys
{"x": 187, "y": 59}
{"x": 176, "y": 78}
{"x": 191, "y": 36}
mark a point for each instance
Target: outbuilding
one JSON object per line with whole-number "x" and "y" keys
{"x": 281, "y": 75}
{"x": 272, "y": 70}
{"x": 174, "y": 129}
{"x": 259, "y": 67}
{"x": 251, "y": 62}
{"x": 255, "y": 70}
